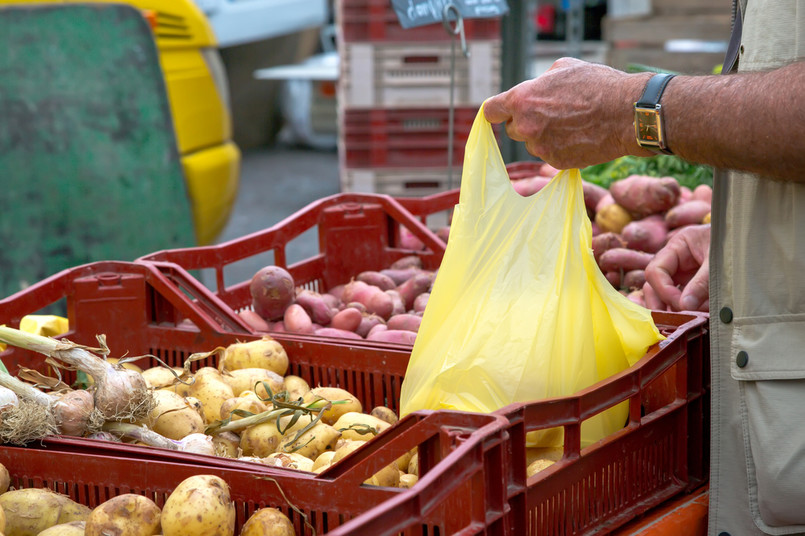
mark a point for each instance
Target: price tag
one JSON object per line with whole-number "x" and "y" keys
{"x": 412, "y": 13}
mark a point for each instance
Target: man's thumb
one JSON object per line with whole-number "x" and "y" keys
{"x": 697, "y": 292}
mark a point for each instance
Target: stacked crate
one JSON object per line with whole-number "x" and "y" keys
{"x": 394, "y": 98}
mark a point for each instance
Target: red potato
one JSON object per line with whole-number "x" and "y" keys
{"x": 593, "y": 194}
{"x": 279, "y": 325}
{"x": 339, "y": 333}
{"x": 337, "y": 292}
{"x": 420, "y": 302}
{"x": 405, "y": 321}
{"x": 368, "y": 322}
{"x": 703, "y": 192}
{"x": 648, "y": 234}
{"x": 373, "y": 298}
{"x": 409, "y": 261}
{"x": 376, "y": 329}
{"x": 400, "y": 275}
{"x": 297, "y": 320}
{"x": 409, "y": 240}
{"x": 530, "y": 186}
{"x": 397, "y": 336}
{"x": 356, "y": 305}
{"x": 255, "y": 321}
{"x": 331, "y": 301}
{"x": 377, "y": 279}
{"x": 642, "y": 195}
{"x": 348, "y": 319}
{"x": 614, "y": 279}
{"x": 272, "y": 289}
{"x": 397, "y": 300}
{"x": 414, "y": 287}
{"x": 623, "y": 259}
{"x": 315, "y": 306}
{"x": 606, "y": 241}
{"x": 690, "y": 213}
{"x": 634, "y": 279}
{"x": 596, "y": 229}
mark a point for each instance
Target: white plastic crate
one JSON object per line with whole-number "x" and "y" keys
{"x": 400, "y": 182}
{"x": 389, "y": 75}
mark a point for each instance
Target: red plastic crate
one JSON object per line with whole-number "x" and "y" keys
{"x": 382, "y": 138}
{"x": 141, "y": 314}
{"x": 375, "y": 20}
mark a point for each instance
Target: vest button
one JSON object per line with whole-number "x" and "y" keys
{"x": 725, "y": 314}
{"x": 742, "y": 359}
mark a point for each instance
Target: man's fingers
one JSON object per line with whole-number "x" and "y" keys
{"x": 659, "y": 275}
{"x": 495, "y": 109}
{"x": 695, "y": 296}
{"x": 653, "y": 301}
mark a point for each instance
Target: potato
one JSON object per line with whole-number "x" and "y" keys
{"x": 360, "y": 426}
{"x": 311, "y": 444}
{"x": 648, "y": 234}
{"x": 5, "y": 479}
{"x": 272, "y": 289}
{"x": 623, "y": 259}
{"x": 405, "y": 322}
{"x": 254, "y": 321}
{"x": 367, "y": 323}
{"x": 173, "y": 417}
{"x": 373, "y": 298}
{"x": 268, "y": 522}
{"x": 348, "y": 319}
{"x": 323, "y": 460}
{"x": 291, "y": 460}
{"x": 643, "y": 195}
{"x": 29, "y": 511}
{"x": 396, "y": 336}
{"x": 297, "y": 320}
{"x": 160, "y": 377}
{"x": 226, "y": 444}
{"x": 345, "y": 448}
{"x": 350, "y": 402}
{"x": 382, "y": 281}
{"x": 125, "y": 515}
{"x": 250, "y": 379}
{"x": 73, "y": 528}
{"x": 612, "y": 218}
{"x": 260, "y": 439}
{"x": 413, "y": 465}
{"x": 408, "y": 481}
{"x": 296, "y": 387}
{"x": 265, "y": 353}
{"x": 384, "y": 414}
{"x": 605, "y": 241}
{"x": 389, "y": 477}
{"x": 212, "y": 394}
{"x": 415, "y": 286}
{"x": 338, "y": 333}
{"x": 241, "y": 403}
{"x": 690, "y": 213}
{"x": 200, "y": 504}
{"x": 315, "y": 306}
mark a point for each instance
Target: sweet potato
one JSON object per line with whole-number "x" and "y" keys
{"x": 397, "y": 300}
{"x": 612, "y": 218}
{"x": 690, "y": 213}
{"x": 614, "y": 278}
{"x": 414, "y": 287}
{"x": 420, "y": 302}
{"x": 367, "y": 323}
{"x": 606, "y": 241}
{"x": 634, "y": 279}
{"x": 377, "y": 328}
{"x": 297, "y": 320}
{"x": 643, "y": 195}
{"x": 272, "y": 291}
{"x": 409, "y": 240}
{"x": 530, "y": 186}
{"x": 337, "y": 292}
{"x": 400, "y": 275}
{"x": 398, "y": 336}
{"x": 443, "y": 233}
{"x": 604, "y": 202}
{"x": 636, "y": 296}
{"x": 703, "y": 192}
{"x": 623, "y": 259}
{"x": 339, "y": 333}
{"x": 405, "y": 321}
{"x": 409, "y": 261}
{"x": 593, "y": 194}
{"x": 254, "y": 321}
{"x": 381, "y": 281}
{"x": 347, "y": 319}
{"x": 648, "y": 234}
{"x": 373, "y": 298}
{"x": 316, "y": 308}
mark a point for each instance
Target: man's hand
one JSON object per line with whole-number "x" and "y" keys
{"x": 575, "y": 115}
{"x": 678, "y": 277}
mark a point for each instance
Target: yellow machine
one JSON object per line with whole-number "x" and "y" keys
{"x": 197, "y": 90}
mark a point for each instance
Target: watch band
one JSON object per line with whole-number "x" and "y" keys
{"x": 654, "y": 88}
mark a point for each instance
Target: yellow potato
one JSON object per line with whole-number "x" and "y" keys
{"x": 260, "y": 440}
{"x": 125, "y": 515}
{"x": 251, "y": 379}
{"x": 291, "y": 460}
{"x": 226, "y": 444}
{"x": 347, "y": 402}
{"x": 265, "y": 353}
{"x": 407, "y": 481}
{"x": 323, "y": 460}
{"x": 241, "y": 403}
{"x": 199, "y": 505}
{"x": 389, "y": 477}
{"x": 212, "y": 394}
{"x": 5, "y": 479}
{"x": 296, "y": 387}
{"x": 354, "y": 425}
{"x": 73, "y": 528}
{"x": 29, "y": 511}
{"x": 268, "y": 522}
{"x": 160, "y": 377}
{"x": 384, "y": 414}
{"x": 173, "y": 416}
{"x": 612, "y": 218}
{"x": 311, "y": 444}
{"x": 345, "y": 448}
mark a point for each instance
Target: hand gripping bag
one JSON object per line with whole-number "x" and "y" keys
{"x": 519, "y": 310}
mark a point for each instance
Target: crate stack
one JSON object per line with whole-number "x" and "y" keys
{"x": 686, "y": 36}
{"x": 394, "y": 98}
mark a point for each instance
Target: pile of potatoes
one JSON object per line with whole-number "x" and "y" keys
{"x": 42, "y": 512}
{"x": 381, "y": 305}
{"x": 238, "y": 388}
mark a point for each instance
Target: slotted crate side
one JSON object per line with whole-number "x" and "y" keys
{"x": 402, "y": 181}
{"x": 376, "y": 21}
{"x": 417, "y": 75}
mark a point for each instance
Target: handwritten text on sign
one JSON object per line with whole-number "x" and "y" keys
{"x": 412, "y": 13}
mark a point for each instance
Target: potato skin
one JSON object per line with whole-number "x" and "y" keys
{"x": 265, "y": 353}
{"x": 73, "y": 528}
{"x": 268, "y": 522}
{"x": 29, "y": 511}
{"x": 125, "y": 515}
{"x": 199, "y": 506}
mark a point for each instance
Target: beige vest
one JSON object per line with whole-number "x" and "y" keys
{"x": 757, "y": 301}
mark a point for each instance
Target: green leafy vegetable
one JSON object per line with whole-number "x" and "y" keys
{"x": 688, "y": 174}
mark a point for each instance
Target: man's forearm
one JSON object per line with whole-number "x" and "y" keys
{"x": 748, "y": 121}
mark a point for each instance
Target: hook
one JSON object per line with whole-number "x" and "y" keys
{"x": 449, "y": 8}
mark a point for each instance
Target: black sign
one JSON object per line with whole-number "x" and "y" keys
{"x": 412, "y": 13}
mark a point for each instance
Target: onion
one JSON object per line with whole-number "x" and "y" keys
{"x": 195, "y": 443}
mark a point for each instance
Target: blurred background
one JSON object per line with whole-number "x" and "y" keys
{"x": 276, "y": 103}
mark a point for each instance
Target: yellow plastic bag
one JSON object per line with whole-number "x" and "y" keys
{"x": 519, "y": 310}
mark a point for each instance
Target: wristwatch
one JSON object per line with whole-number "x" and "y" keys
{"x": 648, "y": 125}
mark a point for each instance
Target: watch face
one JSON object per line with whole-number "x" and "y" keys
{"x": 647, "y": 125}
